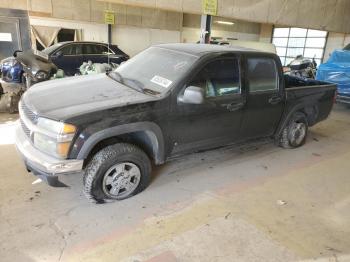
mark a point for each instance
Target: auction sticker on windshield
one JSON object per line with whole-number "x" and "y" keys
{"x": 161, "y": 81}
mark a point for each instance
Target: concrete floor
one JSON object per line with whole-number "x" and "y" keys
{"x": 252, "y": 203}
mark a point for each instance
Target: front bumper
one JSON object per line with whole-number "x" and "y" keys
{"x": 43, "y": 165}
{"x": 343, "y": 99}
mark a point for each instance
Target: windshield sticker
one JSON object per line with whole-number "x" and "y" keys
{"x": 161, "y": 81}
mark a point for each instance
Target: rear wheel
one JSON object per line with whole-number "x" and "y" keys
{"x": 295, "y": 133}
{"x": 116, "y": 172}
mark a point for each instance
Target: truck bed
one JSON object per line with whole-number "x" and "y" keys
{"x": 316, "y": 96}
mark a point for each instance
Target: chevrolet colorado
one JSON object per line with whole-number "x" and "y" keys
{"x": 169, "y": 100}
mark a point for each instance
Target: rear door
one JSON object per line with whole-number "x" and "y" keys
{"x": 70, "y": 59}
{"x": 96, "y": 53}
{"x": 264, "y": 106}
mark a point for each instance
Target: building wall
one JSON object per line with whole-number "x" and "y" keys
{"x": 330, "y": 15}
{"x": 131, "y": 39}
{"x": 335, "y": 41}
{"x": 240, "y": 30}
{"x": 266, "y": 33}
{"x": 135, "y": 29}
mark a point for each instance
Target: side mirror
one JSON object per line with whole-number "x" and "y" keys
{"x": 15, "y": 53}
{"x": 193, "y": 95}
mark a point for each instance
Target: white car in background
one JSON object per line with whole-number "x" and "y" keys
{"x": 261, "y": 46}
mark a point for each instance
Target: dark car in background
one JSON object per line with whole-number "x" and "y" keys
{"x": 39, "y": 66}
{"x": 11, "y": 70}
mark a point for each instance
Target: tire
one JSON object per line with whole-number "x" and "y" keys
{"x": 116, "y": 172}
{"x": 295, "y": 133}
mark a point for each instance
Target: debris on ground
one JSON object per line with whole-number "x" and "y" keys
{"x": 281, "y": 202}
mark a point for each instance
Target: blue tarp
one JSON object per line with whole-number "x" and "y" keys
{"x": 337, "y": 70}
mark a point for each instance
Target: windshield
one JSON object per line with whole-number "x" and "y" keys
{"x": 155, "y": 69}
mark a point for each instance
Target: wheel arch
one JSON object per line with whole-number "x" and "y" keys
{"x": 146, "y": 135}
{"x": 311, "y": 112}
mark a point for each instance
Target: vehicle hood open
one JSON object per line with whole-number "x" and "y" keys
{"x": 68, "y": 97}
{"x": 35, "y": 61}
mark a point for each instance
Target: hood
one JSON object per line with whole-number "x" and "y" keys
{"x": 35, "y": 61}
{"x": 68, "y": 97}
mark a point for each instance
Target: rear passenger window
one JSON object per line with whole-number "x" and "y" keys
{"x": 219, "y": 78}
{"x": 90, "y": 49}
{"x": 262, "y": 74}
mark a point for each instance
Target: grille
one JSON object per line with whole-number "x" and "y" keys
{"x": 25, "y": 128}
{"x": 29, "y": 114}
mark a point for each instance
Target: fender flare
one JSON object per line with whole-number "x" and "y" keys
{"x": 285, "y": 120}
{"x": 152, "y": 131}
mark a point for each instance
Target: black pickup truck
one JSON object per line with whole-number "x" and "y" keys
{"x": 168, "y": 100}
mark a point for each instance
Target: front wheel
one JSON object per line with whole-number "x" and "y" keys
{"x": 295, "y": 133}
{"x": 117, "y": 172}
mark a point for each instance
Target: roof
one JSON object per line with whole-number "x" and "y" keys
{"x": 201, "y": 49}
{"x": 84, "y": 42}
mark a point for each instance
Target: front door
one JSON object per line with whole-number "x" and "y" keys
{"x": 217, "y": 121}
{"x": 265, "y": 98}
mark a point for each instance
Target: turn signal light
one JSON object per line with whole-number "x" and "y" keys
{"x": 63, "y": 149}
{"x": 68, "y": 129}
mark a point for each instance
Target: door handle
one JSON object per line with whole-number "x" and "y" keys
{"x": 275, "y": 100}
{"x": 233, "y": 106}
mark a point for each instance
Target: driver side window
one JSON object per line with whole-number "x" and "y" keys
{"x": 219, "y": 78}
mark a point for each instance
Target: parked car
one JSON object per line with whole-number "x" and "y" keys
{"x": 337, "y": 70}
{"x": 11, "y": 70}
{"x": 169, "y": 100}
{"x": 69, "y": 56}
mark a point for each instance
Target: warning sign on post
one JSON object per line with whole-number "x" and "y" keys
{"x": 210, "y": 7}
{"x": 109, "y": 18}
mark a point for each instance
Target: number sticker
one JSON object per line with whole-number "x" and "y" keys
{"x": 161, "y": 81}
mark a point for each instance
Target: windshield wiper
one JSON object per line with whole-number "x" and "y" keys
{"x": 116, "y": 76}
{"x": 151, "y": 92}
{"x": 132, "y": 83}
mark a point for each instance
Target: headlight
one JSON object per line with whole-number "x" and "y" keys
{"x": 41, "y": 75}
{"x": 54, "y": 137}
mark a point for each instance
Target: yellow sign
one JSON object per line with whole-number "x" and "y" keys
{"x": 109, "y": 18}
{"x": 210, "y": 7}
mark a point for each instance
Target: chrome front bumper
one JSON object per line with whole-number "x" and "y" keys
{"x": 40, "y": 163}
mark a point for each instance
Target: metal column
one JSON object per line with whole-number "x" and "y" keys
{"x": 109, "y": 34}
{"x": 205, "y": 29}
